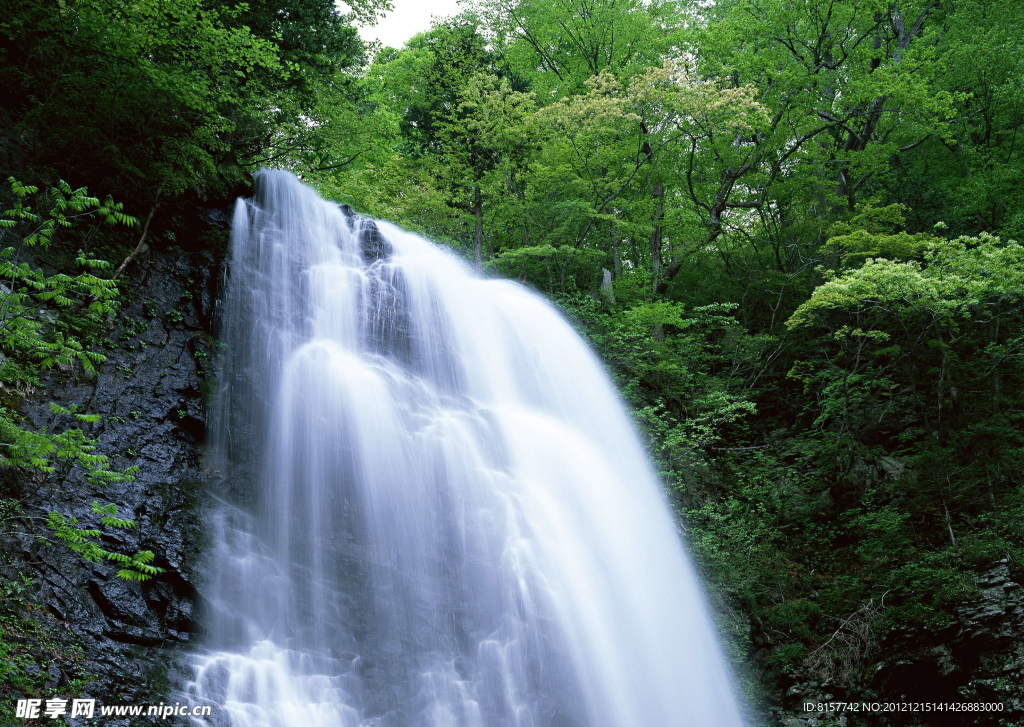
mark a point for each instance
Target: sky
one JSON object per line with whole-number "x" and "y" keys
{"x": 407, "y": 19}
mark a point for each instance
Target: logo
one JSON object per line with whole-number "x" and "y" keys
{"x": 30, "y": 708}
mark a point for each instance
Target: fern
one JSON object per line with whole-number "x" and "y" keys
{"x": 31, "y": 306}
{"x": 84, "y": 541}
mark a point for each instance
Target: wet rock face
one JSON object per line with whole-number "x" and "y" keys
{"x": 150, "y": 393}
{"x": 372, "y": 244}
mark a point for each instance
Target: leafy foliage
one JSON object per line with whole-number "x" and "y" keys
{"x": 32, "y": 299}
{"x": 171, "y": 94}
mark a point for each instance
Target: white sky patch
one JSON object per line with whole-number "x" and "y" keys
{"x": 407, "y": 19}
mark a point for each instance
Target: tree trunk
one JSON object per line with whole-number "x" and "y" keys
{"x": 478, "y": 236}
{"x": 942, "y": 372}
{"x": 658, "y": 192}
{"x": 142, "y": 238}
{"x": 714, "y": 223}
{"x": 995, "y": 370}
{"x": 658, "y": 195}
{"x": 616, "y": 260}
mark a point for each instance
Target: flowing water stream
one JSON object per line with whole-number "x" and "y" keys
{"x": 451, "y": 522}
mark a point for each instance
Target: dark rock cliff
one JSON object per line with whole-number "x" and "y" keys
{"x": 94, "y": 634}
{"x": 976, "y": 661}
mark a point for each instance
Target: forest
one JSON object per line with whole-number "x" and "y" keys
{"x": 787, "y": 227}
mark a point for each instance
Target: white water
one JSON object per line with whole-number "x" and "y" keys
{"x": 454, "y": 524}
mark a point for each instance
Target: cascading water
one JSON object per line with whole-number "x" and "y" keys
{"x": 455, "y": 524}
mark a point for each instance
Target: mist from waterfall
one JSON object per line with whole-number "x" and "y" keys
{"x": 442, "y": 515}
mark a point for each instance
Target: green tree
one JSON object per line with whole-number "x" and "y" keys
{"x": 167, "y": 94}
{"x": 970, "y": 177}
{"x": 849, "y": 85}
{"x": 920, "y": 361}
{"x": 558, "y": 45}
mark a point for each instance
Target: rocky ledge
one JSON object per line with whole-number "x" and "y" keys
{"x": 976, "y": 659}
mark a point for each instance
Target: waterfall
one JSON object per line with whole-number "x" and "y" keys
{"x": 441, "y": 515}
